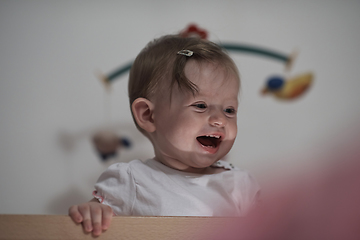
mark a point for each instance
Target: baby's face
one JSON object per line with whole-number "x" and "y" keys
{"x": 193, "y": 132}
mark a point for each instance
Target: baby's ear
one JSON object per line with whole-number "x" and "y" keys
{"x": 143, "y": 110}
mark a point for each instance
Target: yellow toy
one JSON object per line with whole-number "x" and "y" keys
{"x": 288, "y": 89}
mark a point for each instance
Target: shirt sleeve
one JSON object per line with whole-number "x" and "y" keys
{"x": 116, "y": 188}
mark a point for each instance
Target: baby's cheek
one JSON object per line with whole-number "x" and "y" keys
{"x": 233, "y": 129}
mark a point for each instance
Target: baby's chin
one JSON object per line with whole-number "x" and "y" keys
{"x": 195, "y": 159}
{"x": 205, "y": 162}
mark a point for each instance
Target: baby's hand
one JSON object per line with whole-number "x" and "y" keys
{"x": 94, "y": 216}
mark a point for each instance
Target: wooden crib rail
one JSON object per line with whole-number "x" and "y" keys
{"x": 145, "y": 228}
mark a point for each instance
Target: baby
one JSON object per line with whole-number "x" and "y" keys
{"x": 184, "y": 98}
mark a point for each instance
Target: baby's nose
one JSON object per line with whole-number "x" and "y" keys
{"x": 217, "y": 119}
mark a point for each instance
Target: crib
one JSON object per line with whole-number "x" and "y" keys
{"x": 47, "y": 227}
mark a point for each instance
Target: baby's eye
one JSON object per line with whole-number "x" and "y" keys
{"x": 230, "y": 111}
{"x": 201, "y": 105}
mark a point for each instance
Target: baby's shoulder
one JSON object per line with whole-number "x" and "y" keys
{"x": 124, "y": 167}
{"x": 134, "y": 167}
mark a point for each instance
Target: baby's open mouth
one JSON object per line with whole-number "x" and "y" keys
{"x": 211, "y": 141}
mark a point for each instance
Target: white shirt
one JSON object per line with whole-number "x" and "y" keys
{"x": 152, "y": 189}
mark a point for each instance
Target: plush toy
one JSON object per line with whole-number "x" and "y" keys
{"x": 288, "y": 89}
{"x": 107, "y": 144}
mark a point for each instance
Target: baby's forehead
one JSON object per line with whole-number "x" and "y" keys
{"x": 214, "y": 73}
{"x": 226, "y": 70}
{"x": 197, "y": 76}
{"x": 212, "y": 83}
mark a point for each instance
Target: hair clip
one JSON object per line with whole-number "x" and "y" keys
{"x": 187, "y": 53}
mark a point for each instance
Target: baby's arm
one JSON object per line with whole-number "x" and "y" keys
{"x": 94, "y": 216}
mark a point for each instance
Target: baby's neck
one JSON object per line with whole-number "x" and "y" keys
{"x": 207, "y": 170}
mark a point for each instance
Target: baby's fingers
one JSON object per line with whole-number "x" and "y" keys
{"x": 75, "y": 214}
{"x": 106, "y": 217}
{"x": 96, "y": 216}
{"x": 85, "y": 212}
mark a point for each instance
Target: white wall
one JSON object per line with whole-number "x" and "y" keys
{"x": 49, "y": 51}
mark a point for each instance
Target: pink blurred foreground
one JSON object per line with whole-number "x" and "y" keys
{"x": 323, "y": 205}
